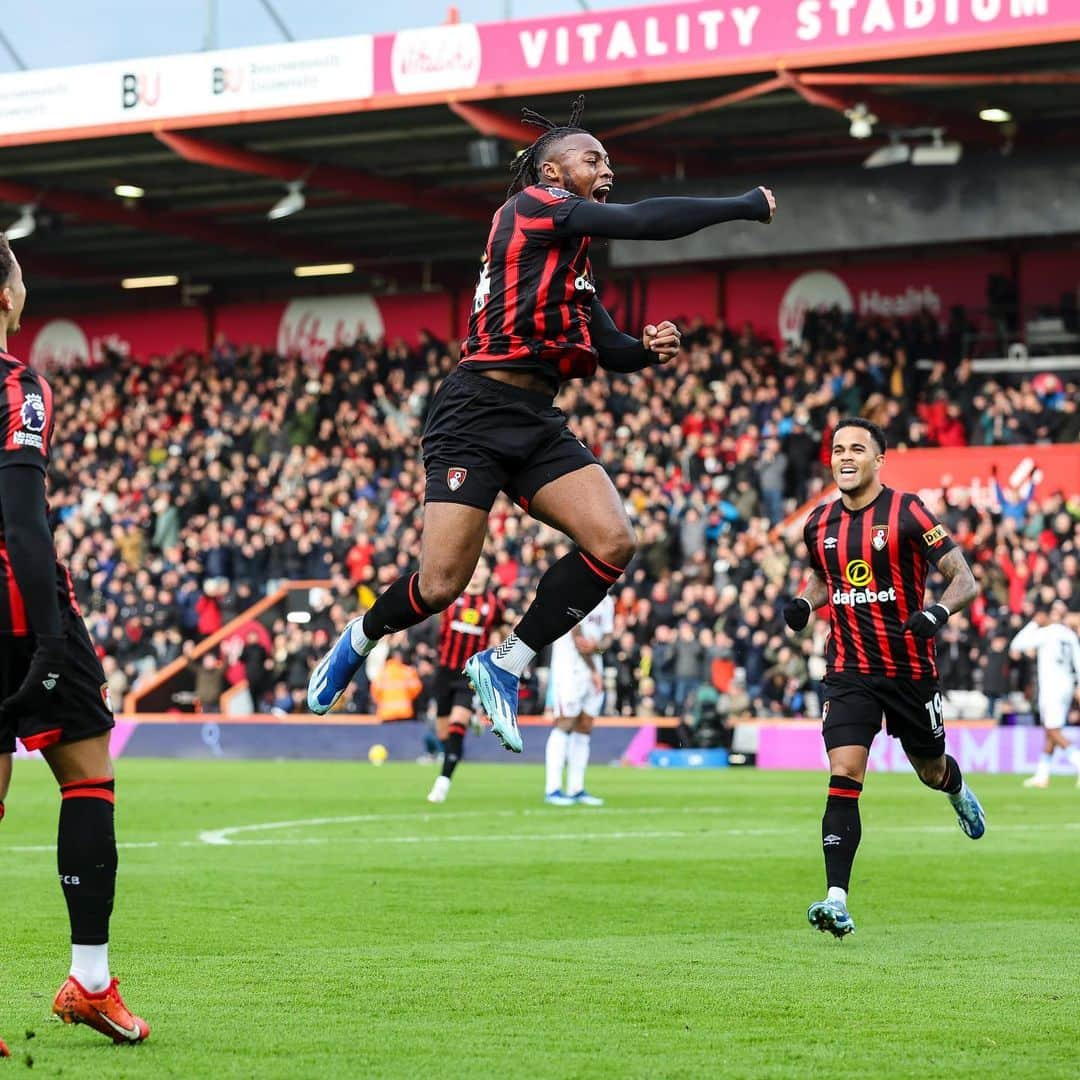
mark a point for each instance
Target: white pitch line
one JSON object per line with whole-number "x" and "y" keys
{"x": 479, "y": 838}
{"x": 221, "y": 839}
{"x": 221, "y": 836}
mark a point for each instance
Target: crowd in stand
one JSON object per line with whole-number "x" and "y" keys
{"x": 184, "y": 489}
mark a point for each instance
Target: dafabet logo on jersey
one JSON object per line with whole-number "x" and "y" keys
{"x": 858, "y": 574}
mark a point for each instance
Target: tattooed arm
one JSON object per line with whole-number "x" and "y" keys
{"x": 798, "y": 610}
{"x": 962, "y": 587}
{"x": 816, "y": 592}
{"x": 959, "y": 592}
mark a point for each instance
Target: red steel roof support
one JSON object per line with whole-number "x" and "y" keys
{"x": 352, "y": 182}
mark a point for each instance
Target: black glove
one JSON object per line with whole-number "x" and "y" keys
{"x": 797, "y": 613}
{"x": 925, "y": 624}
{"x": 30, "y": 709}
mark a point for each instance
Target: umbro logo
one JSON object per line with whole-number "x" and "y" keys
{"x": 832, "y": 840}
{"x": 576, "y": 612}
{"x": 830, "y": 542}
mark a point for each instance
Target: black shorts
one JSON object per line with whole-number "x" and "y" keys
{"x": 452, "y": 691}
{"x": 82, "y": 707}
{"x": 483, "y": 437}
{"x": 854, "y": 705}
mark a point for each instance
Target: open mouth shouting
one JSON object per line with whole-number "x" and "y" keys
{"x": 601, "y": 192}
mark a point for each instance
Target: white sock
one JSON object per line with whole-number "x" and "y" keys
{"x": 360, "y": 642}
{"x": 836, "y": 893}
{"x": 577, "y": 758}
{"x": 555, "y": 759}
{"x": 90, "y": 965}
{"x": 1073, "y": 754}
{"x": 1045, "y": 761}
{"x": 513, "y": 655}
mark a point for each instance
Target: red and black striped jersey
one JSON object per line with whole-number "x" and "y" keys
{"x": 534, "y": 299}
{"x": 26, "y": 428}
{"x": 875, "y": 562}
{"x": 466, "y": 627}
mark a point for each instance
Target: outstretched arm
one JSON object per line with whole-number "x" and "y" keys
{"x": 665, "y": 218}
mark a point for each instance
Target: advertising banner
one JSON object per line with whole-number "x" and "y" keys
{"x": 183, "y": 89}
{"x": 691, "y": 39}
{"x": 313, "y": 325}
{"x": 977, "y": 748}
{"x": 970, "y": 469}
{"x": 775, "y": 302}
{"x": 309, "y": 326}
{"x": 59, "y": 344}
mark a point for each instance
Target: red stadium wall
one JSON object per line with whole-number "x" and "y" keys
{"x": 309, "y": 324}
{"x": 678, "y": 296}
{"x": 59, "y": 343}
{"x": 773, "y": 301}
{"x": 970, "y": 470}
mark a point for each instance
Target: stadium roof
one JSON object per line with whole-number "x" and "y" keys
{"x": 405, "y": 193}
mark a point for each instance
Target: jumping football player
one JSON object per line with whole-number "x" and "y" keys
{"x": 869, "y": 552}
{"x": 465, "y": 630}
{"x": 577, "y": 678}
{"x": 492, "y": 426}
{"x": 1057, "y": 649}
{"x": 53, "y": 695}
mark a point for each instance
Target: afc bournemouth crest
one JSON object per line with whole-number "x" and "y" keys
{"x": 879, "y": 537}
{"x": 455, "y": 477}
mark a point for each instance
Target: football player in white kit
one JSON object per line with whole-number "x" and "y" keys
{"x": 1057, "y": 649}
{"x": 577, "y": 679}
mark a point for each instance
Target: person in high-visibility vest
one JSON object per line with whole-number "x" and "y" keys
{"x": 396, "y": 689}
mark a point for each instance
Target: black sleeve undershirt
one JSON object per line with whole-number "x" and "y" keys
{"x": 618, "y": 351}
{"x": 661, "y": 219}
{"x": 30, "y": 545}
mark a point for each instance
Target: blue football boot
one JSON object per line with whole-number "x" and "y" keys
{"x": 831, "y": 916}
{"x": 497, "y": 690}
{"x": 969, "y": 812}
{"x": 336, "y": 669}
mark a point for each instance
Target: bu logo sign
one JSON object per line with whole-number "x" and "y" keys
{"x": 228, "y": 80}
{"x": 455, "y": 477}
{"x": 141, "y": 89}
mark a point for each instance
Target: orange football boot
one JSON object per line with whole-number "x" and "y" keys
{"x": 104, "y": 1011}
{"x": 4, "y": 1051}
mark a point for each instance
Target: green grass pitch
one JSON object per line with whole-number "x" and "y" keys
{"x": 373, "y": 935}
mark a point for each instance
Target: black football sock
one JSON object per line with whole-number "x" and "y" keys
{"x": 86, "y": 858}
{"x": 841, "y": 830}
{"x": 453, "y": 748}
{"x": 565, "y": 595}
{"x": 398, "y": 608}
{"x": 953, "y": 779}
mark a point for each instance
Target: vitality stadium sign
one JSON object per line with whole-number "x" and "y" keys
{"x": 665, "y": 42}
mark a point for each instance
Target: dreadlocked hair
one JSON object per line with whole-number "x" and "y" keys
{"x": 7, "y": 260}
{"x": 525, "y": 169}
